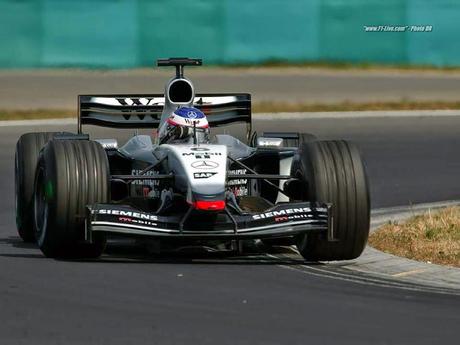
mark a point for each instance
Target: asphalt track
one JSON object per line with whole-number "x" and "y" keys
{"x": 24, "y": 89}
{"x": 128, "y": 298}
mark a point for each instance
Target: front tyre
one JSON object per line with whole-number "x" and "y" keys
{"x": 70, "y": 175}
{"x": 333, "y": 172}
{"x": 26, "y": 157}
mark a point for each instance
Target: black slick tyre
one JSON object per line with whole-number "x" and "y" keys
{"x": 333, "y": 172}
{"x": 303, "y": 138}
{"x": 27, "y": 152}
{"x": 71, "y": 174}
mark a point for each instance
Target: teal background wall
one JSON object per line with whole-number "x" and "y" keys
{"x": 133, "y": 33}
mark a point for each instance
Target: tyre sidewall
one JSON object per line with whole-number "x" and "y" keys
{"x": 63, "y": 164}
{"x": 333, "y": 173}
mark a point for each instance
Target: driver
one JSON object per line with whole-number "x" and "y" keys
{"x": 181, "y": 125}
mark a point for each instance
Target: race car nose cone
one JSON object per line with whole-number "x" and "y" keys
{"x": 216, "y": 205}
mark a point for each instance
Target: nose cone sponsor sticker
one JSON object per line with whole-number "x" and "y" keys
{"x": 206, "y": 174}
{"x": 204, "y": 165}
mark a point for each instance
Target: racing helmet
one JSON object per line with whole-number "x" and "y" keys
{"x": 183, "y": 126}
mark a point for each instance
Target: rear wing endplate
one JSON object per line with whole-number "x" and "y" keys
{"x": 144, "y": 111}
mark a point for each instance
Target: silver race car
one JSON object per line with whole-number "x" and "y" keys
{"x": 185, "y": 187}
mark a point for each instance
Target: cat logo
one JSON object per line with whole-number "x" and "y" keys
{"x": 203, "y": 174}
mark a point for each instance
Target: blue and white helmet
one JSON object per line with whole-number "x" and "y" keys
{"x": 179, "y": 127}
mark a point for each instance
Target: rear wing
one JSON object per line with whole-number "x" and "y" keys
{"x": 144, "y": 111}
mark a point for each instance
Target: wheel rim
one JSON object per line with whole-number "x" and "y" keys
{"x": 41, "y": 207}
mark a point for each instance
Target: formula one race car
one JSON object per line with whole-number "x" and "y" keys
{"x": 184, "y": 188}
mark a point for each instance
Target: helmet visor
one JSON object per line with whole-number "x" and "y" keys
{"x": 185, "y": 135}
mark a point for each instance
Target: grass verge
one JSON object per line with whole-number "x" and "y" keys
{"x": 35, "y": 114}
{"x": 261, "y": 107}
{"x": 431, "y": 237}
{"x": 275, "y": 106}
{"x": 340, "y": 65}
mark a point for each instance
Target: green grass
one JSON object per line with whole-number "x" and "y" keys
{"x": 35, "y": 114}
{"x": 433, "y": 237}
{"x": 340, "y": 65}
{"x": 269, "y": 106}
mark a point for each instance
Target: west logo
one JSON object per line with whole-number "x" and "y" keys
{"x": 137, "y": 101}
{"x": 192, "y": 122}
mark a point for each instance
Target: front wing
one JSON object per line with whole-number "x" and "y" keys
{"x": 282, "y": 220}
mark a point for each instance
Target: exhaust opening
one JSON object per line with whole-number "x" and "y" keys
{"x": 180, "y": 91}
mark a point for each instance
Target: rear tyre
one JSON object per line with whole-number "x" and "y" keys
{"x": 303, "y": 138}
{"x": 70, "y": 175}
{"x": 333, "y": 172}
{"x": 27, "y": 152}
